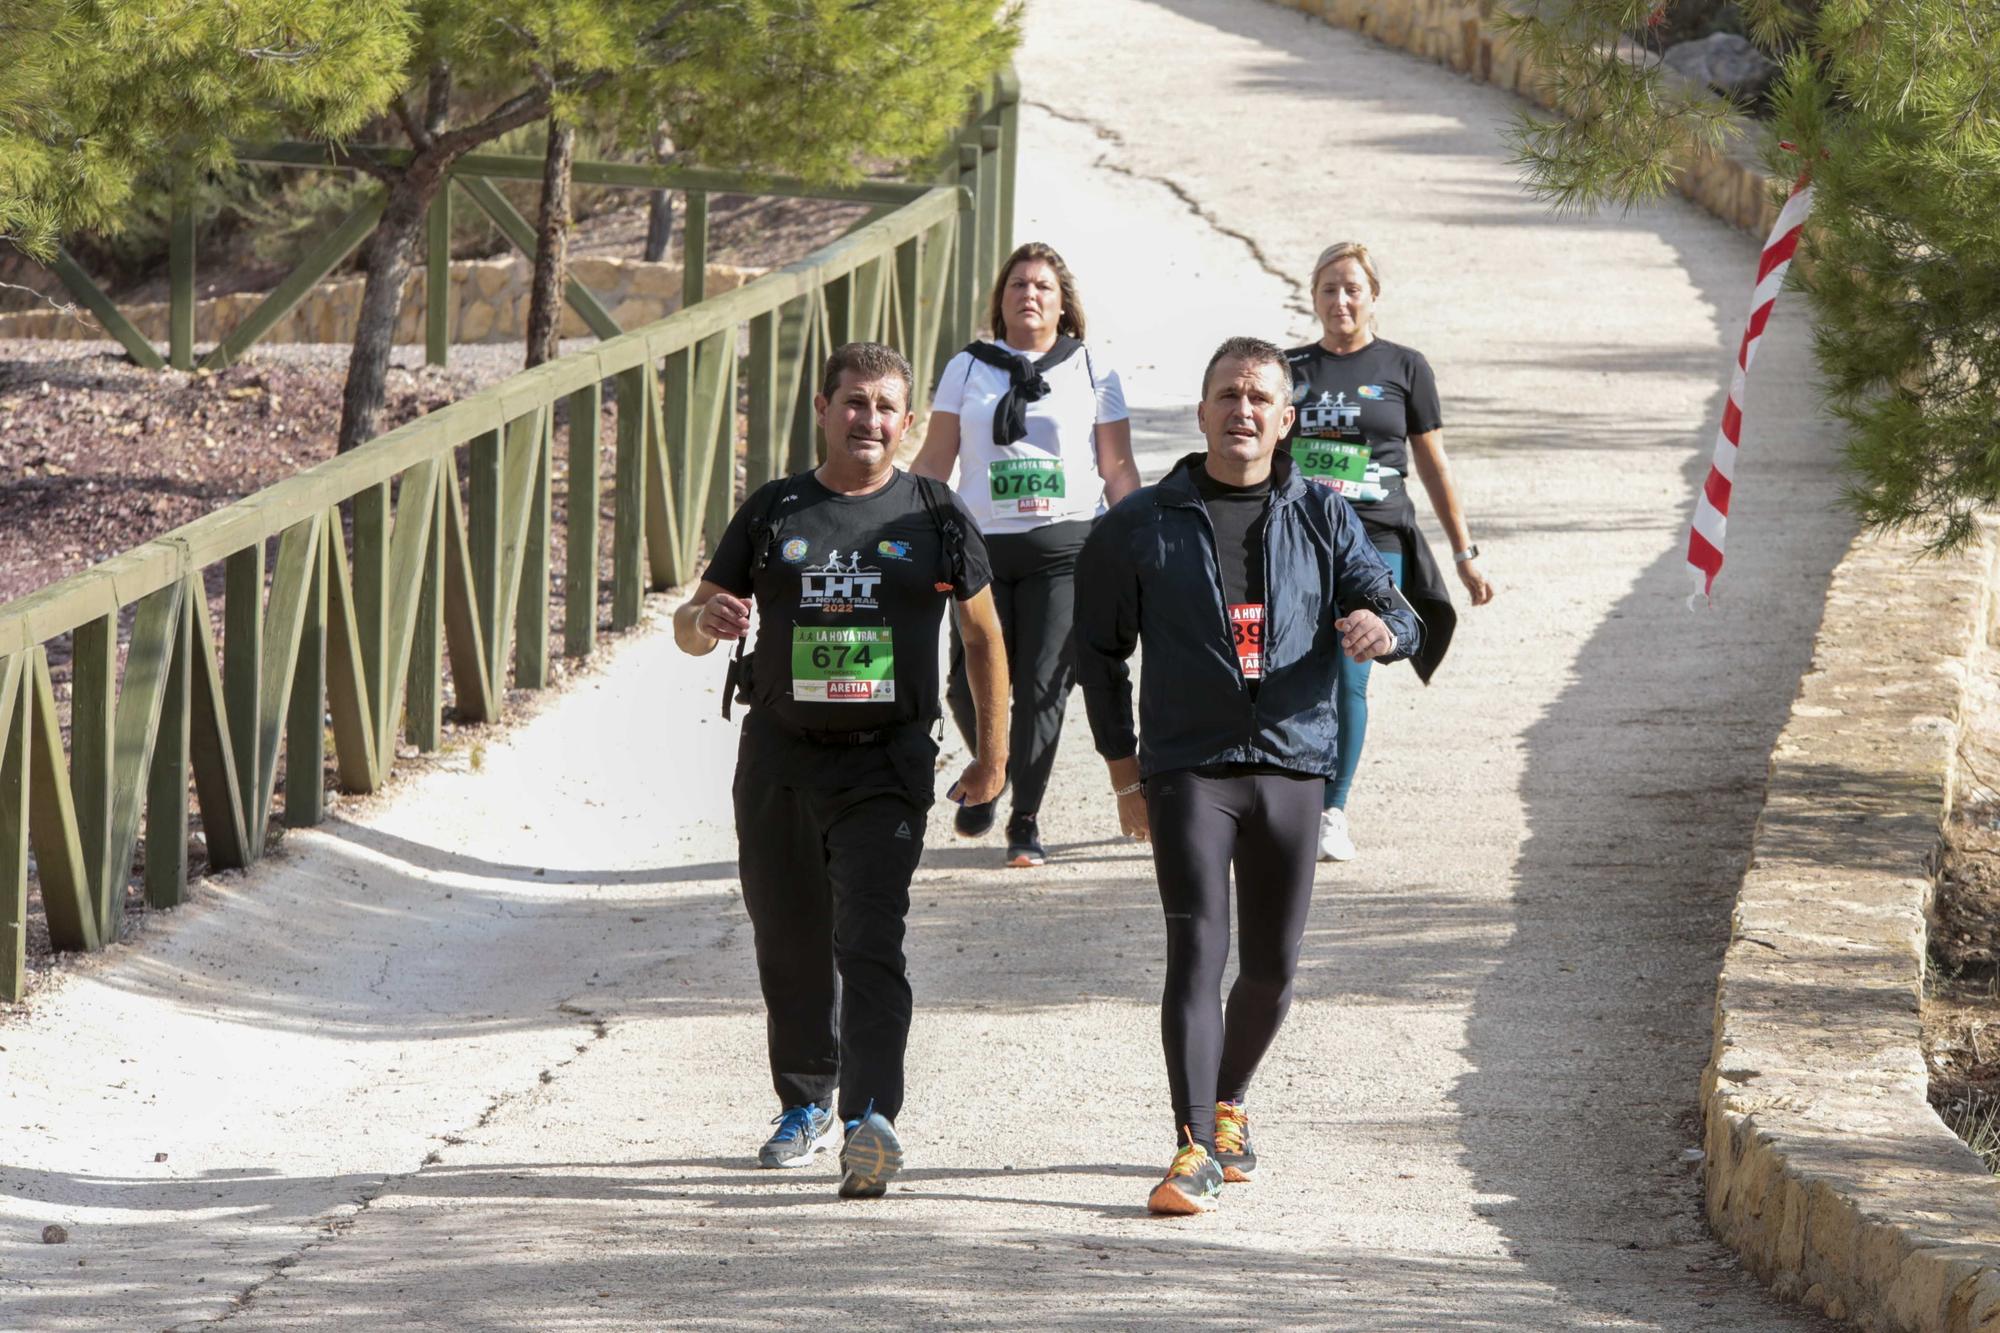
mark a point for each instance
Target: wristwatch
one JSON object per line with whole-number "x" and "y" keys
{"x": 1469, "y": 553}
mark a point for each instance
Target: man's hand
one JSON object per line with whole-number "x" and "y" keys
{"x": 1363, "y": 636}
{"x": 981, "y": 782}
{"x": 1134, "y": 821}
{"x": 723, "y": 617}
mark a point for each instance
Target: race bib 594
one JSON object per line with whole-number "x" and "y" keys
{"x": 1336, "y": 463}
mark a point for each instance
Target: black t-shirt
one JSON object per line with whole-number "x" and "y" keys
{"x": 849, "y": 600}
{"x": 1357, "y": 411}
{"x": 1237, "y": 515}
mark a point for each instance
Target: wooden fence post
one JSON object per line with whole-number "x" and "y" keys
{"x": 694, "y": 249}
{"x": 437, "y": 279}
{"x": 586, "y": 486}
{"x": 180, "y": 274}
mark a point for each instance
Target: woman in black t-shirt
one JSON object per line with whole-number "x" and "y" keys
{"x": 1368, "y": 416}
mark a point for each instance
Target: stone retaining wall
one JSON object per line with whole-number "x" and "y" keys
{"x": 1463, "y": 35}
{"x": 489, "y": 299}
{"x": 1827, "y": 1169}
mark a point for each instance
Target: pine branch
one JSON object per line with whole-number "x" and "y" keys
{"x": 61, "y": 307}
{"x": 292, "y": 57}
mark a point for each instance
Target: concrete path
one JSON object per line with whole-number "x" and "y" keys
{"x": 488, "y": 1054}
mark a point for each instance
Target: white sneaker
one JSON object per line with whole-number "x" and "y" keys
{"x": 1334, "y": 843}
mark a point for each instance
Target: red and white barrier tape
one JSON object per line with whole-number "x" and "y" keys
{"x": 1711, "y": 510}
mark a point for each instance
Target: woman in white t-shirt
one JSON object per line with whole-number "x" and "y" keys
{"x": 1039, "y": 435}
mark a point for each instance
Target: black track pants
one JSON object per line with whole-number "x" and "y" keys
{"x": 1268, "y": 825}
{"x": 826, "y": 880}
{"x": 1034, "y": 591}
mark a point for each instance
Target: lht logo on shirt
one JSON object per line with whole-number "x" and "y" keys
{"x": 1331, "y": 415}
{"x": 839, "y": 585}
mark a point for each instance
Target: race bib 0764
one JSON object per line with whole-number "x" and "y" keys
{"x": 1027, "y": 486}
{"x": 850, "y": 664}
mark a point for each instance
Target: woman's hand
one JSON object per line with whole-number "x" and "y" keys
{"x": 1475, "y": 582}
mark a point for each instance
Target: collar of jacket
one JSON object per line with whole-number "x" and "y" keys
{"x": 1177, "y": 487}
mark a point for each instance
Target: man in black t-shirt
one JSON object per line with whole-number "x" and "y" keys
{"x": 850, "y": 566}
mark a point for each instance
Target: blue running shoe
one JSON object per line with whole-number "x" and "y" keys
{"x": 802, "y": 1131}
{"x": 871, "y": 1156}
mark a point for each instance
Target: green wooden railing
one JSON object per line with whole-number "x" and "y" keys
{"x": 356, "y": 592}
{"x": 981, "y": 157}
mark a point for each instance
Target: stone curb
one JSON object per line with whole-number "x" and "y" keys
{"x": 1461, "y": 34}
{"x": 1827, "y": 1169}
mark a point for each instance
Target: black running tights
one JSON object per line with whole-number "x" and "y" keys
{"x": 1034, "y": 592}
{"x": 1267, "y": 824}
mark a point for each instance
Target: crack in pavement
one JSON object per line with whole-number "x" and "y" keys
{"x": 333, "y": 1229}
{"x": 1186, "y": 196}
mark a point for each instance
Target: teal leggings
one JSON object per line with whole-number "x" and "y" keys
{"x": 1351, "y": 702}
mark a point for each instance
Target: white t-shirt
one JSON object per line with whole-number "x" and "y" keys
{"x": 1050, "y": 476}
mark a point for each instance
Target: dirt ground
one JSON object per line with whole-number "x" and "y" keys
{"x": 1962, "y": 997}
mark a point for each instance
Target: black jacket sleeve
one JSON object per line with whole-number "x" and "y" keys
{"x": 1362, "y": 580}
{"x": 1105, "y": 632}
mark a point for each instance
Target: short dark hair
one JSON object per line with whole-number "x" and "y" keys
{"x": 1254, "y": 350}
{"x": 868, "y": 361}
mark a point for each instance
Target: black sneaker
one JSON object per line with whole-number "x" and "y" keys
{"x": 871, "y": 1156}
{"x": 1193, "y": 1184}
{"x": 802, "y": 1132}
{"x": 975, "y": 821}
{"x": 1024, "y": 844}
{"x": 1232, "y": 1143}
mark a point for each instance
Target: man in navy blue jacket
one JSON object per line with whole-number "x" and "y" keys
{"x": 1243, "y": 583}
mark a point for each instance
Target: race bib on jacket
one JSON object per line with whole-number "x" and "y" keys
{"x": 1246, "y": 631}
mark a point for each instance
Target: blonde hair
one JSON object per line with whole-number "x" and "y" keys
{"x": 1354, "y": 250}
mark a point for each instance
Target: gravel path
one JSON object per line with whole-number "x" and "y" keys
{"x": 488, "y": 1054}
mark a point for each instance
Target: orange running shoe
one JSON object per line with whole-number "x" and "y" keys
{"x": 1232, "y": 1142}
{"x": 1193, "y": 1183}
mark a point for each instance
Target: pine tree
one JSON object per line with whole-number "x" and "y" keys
{"x": 1895, "y": 110}
{"x": 94, "y": 93}
{"x": 806, "y": 87}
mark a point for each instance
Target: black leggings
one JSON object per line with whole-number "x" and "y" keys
{"x": 1267, "y": 823}
{"x": 1034, "y": 591}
